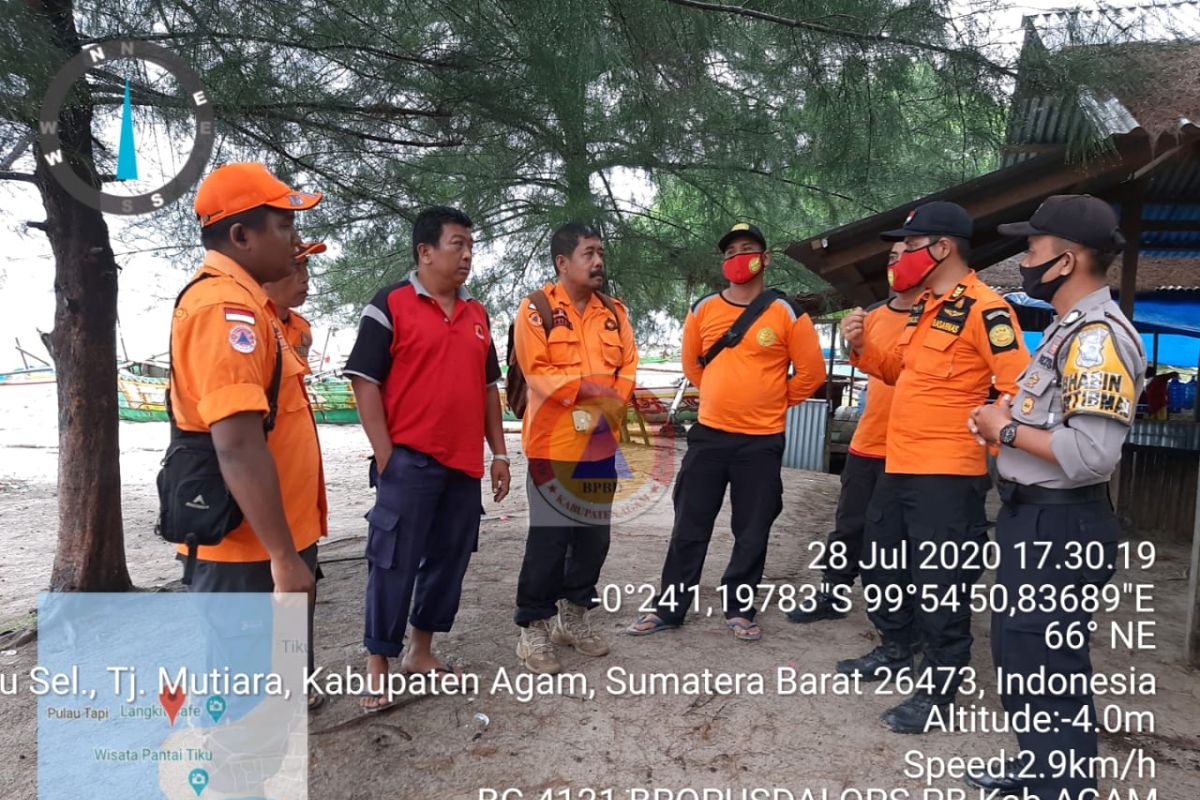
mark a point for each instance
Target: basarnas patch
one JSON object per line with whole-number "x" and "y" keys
{"x": 952, "y": 316}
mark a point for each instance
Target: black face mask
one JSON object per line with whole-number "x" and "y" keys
{"x": 1031, "y": 280}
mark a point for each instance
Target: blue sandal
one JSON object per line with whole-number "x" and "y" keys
{"x": 741, "y": 629}
{"x": 659, "y": 625}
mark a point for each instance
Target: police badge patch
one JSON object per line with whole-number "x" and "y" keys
{"x": 1090, "y": 346}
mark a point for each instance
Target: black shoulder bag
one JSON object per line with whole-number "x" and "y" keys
{"x": 196, "y": 508}
{"x": 738, "y": 329}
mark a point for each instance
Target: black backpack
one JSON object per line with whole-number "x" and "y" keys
{"x": 196, "y": 508}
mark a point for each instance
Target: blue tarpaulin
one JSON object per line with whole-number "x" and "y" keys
{"x": 1175, "y": 319}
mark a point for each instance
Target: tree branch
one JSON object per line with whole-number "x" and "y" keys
{"x": 308, "y": 46}
{"x": 841, "y": 33}
{"x": 9, "y": 175}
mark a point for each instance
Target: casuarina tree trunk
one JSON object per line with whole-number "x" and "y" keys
{"x": 91, "y": 545}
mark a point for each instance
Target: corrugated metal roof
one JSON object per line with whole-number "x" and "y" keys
{"x": 1137, "y": 32}
{"x": 1107, "y": 116}
{"x": 1145, "y": 21}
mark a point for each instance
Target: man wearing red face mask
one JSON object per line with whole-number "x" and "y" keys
{"x": 737, "y": 346}
{"x": 959, "y": 338}
{"x": 864, "y": 463}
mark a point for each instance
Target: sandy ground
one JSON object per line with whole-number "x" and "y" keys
{"x": 433, "y": 748}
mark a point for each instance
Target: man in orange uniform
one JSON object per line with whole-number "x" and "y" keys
{"x": 289, "y": 294}
{"x": 864, "y": 463}
{"x": 579, "y": 357}
{"x": 738, "y": 442}
{"x": 959, "y": 336}
{"x": 224, "y": 347}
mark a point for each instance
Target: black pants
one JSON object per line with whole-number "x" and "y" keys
{"x": 251, "y": 576}
{"x": 927, "y": 531}
{"x": 749, "y": 466}
{"x": 1019, "y": 644}
{"x": 564, "y": 553}
{"x": 859, "y": 479}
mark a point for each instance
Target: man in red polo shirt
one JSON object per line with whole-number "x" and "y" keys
{"x": 424, "y": 372}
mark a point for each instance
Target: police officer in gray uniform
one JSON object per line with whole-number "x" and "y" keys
{"x": 1060, "y": 440}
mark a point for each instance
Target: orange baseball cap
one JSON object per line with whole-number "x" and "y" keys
{"x": 233, "y": 188}
{"x": 310, "y": 249}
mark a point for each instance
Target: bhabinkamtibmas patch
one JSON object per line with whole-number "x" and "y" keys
{"x": 1094, "y": 379}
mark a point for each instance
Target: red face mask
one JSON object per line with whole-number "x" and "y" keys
{"x": 911, "y": 268}
{"x": 743, "y": 267}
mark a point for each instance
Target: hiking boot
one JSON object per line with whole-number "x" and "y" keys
{"x": 572, "y": 627}
{"x": 912, "y": 716}
{"x": 535, "y": 649}
{"x": 823, "y": 606}
{"x": 874, "y": 666}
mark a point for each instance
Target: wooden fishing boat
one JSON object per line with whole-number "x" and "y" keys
{"x": 28, "y": 376}
{"x": 141, "y": 397}
{"x": 142, "y": 390}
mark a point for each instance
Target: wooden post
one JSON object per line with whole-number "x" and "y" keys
{"x": 1191, "y": 642}
{"x": 1132, "y": 193}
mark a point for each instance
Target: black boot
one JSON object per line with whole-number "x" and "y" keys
{"x": 822, "y": 606}
{"x": 912, "y": 716}
{"x": 887, "y": 657}
{"x": 1010, "y": 781}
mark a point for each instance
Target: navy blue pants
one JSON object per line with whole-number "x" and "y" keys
{"x": 1019, "y": 639}
{"x": 423, "y": 528}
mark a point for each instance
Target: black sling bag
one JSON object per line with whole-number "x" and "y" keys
{"x": 196, "y": 508}
{"x": 742, "y": 324}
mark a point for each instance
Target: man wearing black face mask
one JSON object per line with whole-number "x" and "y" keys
{"x": 1061, "y": 440}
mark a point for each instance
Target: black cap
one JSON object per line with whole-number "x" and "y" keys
{"x": 1075, "y": 217}
{"x": 742, "y": 229}
{"x": 939, "y": 218}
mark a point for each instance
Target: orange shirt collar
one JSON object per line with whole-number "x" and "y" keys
{"x": 219, "y": 262}
{"x": 559, "y": 295}
{"x": 969, "y": 281}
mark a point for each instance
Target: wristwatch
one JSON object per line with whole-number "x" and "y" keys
{"x": 501, "y": 457}
{"x": 1008, "y": 434}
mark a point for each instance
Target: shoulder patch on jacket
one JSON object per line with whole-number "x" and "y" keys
{"x": 1095, "y": 380}
{"x": 1002, "y": 336}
